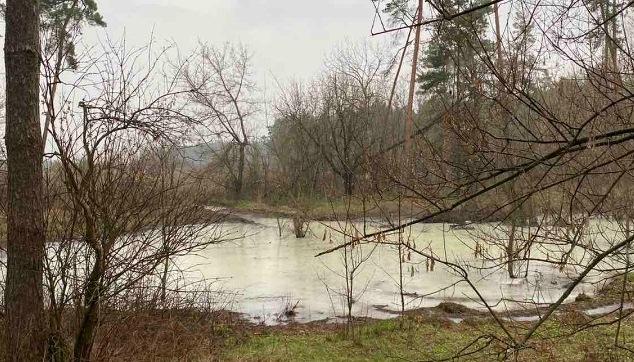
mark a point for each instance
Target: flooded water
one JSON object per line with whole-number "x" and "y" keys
{"x": 269, "y": 273}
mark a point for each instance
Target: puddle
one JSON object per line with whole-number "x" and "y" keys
{"x": 456, "y": 320}
{"x": 530, "y": 318}
{"x": 592, "y": 312}
{"x": 608, "y": 309}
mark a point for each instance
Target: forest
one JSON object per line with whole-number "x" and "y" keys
{"x": 462, "y": 190}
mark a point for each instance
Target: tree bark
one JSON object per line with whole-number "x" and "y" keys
{"x": 240, "y": 177}
{"x": 92, "y": 303}
{"x": 511, "y": 252}
{"x": 26, "y": 325}
{"x": 348, "y": 183}
{"x": 409, "y": 122}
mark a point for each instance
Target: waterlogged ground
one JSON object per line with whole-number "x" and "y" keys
{"x": 263, "y": 273}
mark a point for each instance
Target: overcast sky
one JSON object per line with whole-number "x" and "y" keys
{"x": 288, "y": 38}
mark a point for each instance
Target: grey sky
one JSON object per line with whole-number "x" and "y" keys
{"x": 289, "y": 38}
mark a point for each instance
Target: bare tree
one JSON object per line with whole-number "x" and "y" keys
{"x": 222, "y": 93}
{"x": 548, "y": 156}
{"x": 119, "y": 211}
{"x": 298, "y": 161}
{"x": 340, "y": 111}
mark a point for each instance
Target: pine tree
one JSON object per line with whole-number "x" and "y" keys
{"x": 451, "y": 63}
{"x": 62, "y": 22}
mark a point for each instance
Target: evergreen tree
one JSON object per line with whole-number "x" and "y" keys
{"x": 63, "y": 20}
{"x": 451, "y": 63}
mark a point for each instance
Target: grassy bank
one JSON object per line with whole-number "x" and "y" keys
{"x": 416, "y": 339}
{"x": 429, "y": 335}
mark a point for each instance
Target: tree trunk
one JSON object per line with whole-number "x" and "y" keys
{"x": 26, "y": 325}
{"x": 510, "y": 252}
{"x": 240, "y": 177}
{"x": 92, "y": 300}
{"x": 412, "y": 82}
{"x": 613, "y": 48}
{"x": 348, "y": 183}
{"x": 164, "y": 277}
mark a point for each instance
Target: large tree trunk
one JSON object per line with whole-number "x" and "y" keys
{"x": 26, "y": 326}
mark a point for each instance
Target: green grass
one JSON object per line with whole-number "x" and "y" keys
{"x": 378, "y": 341}
{"x": 417, "y": 339}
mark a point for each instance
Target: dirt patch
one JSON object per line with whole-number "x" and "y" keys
{"x": 324, "y": 325}
{"x": 453, "y": 308}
